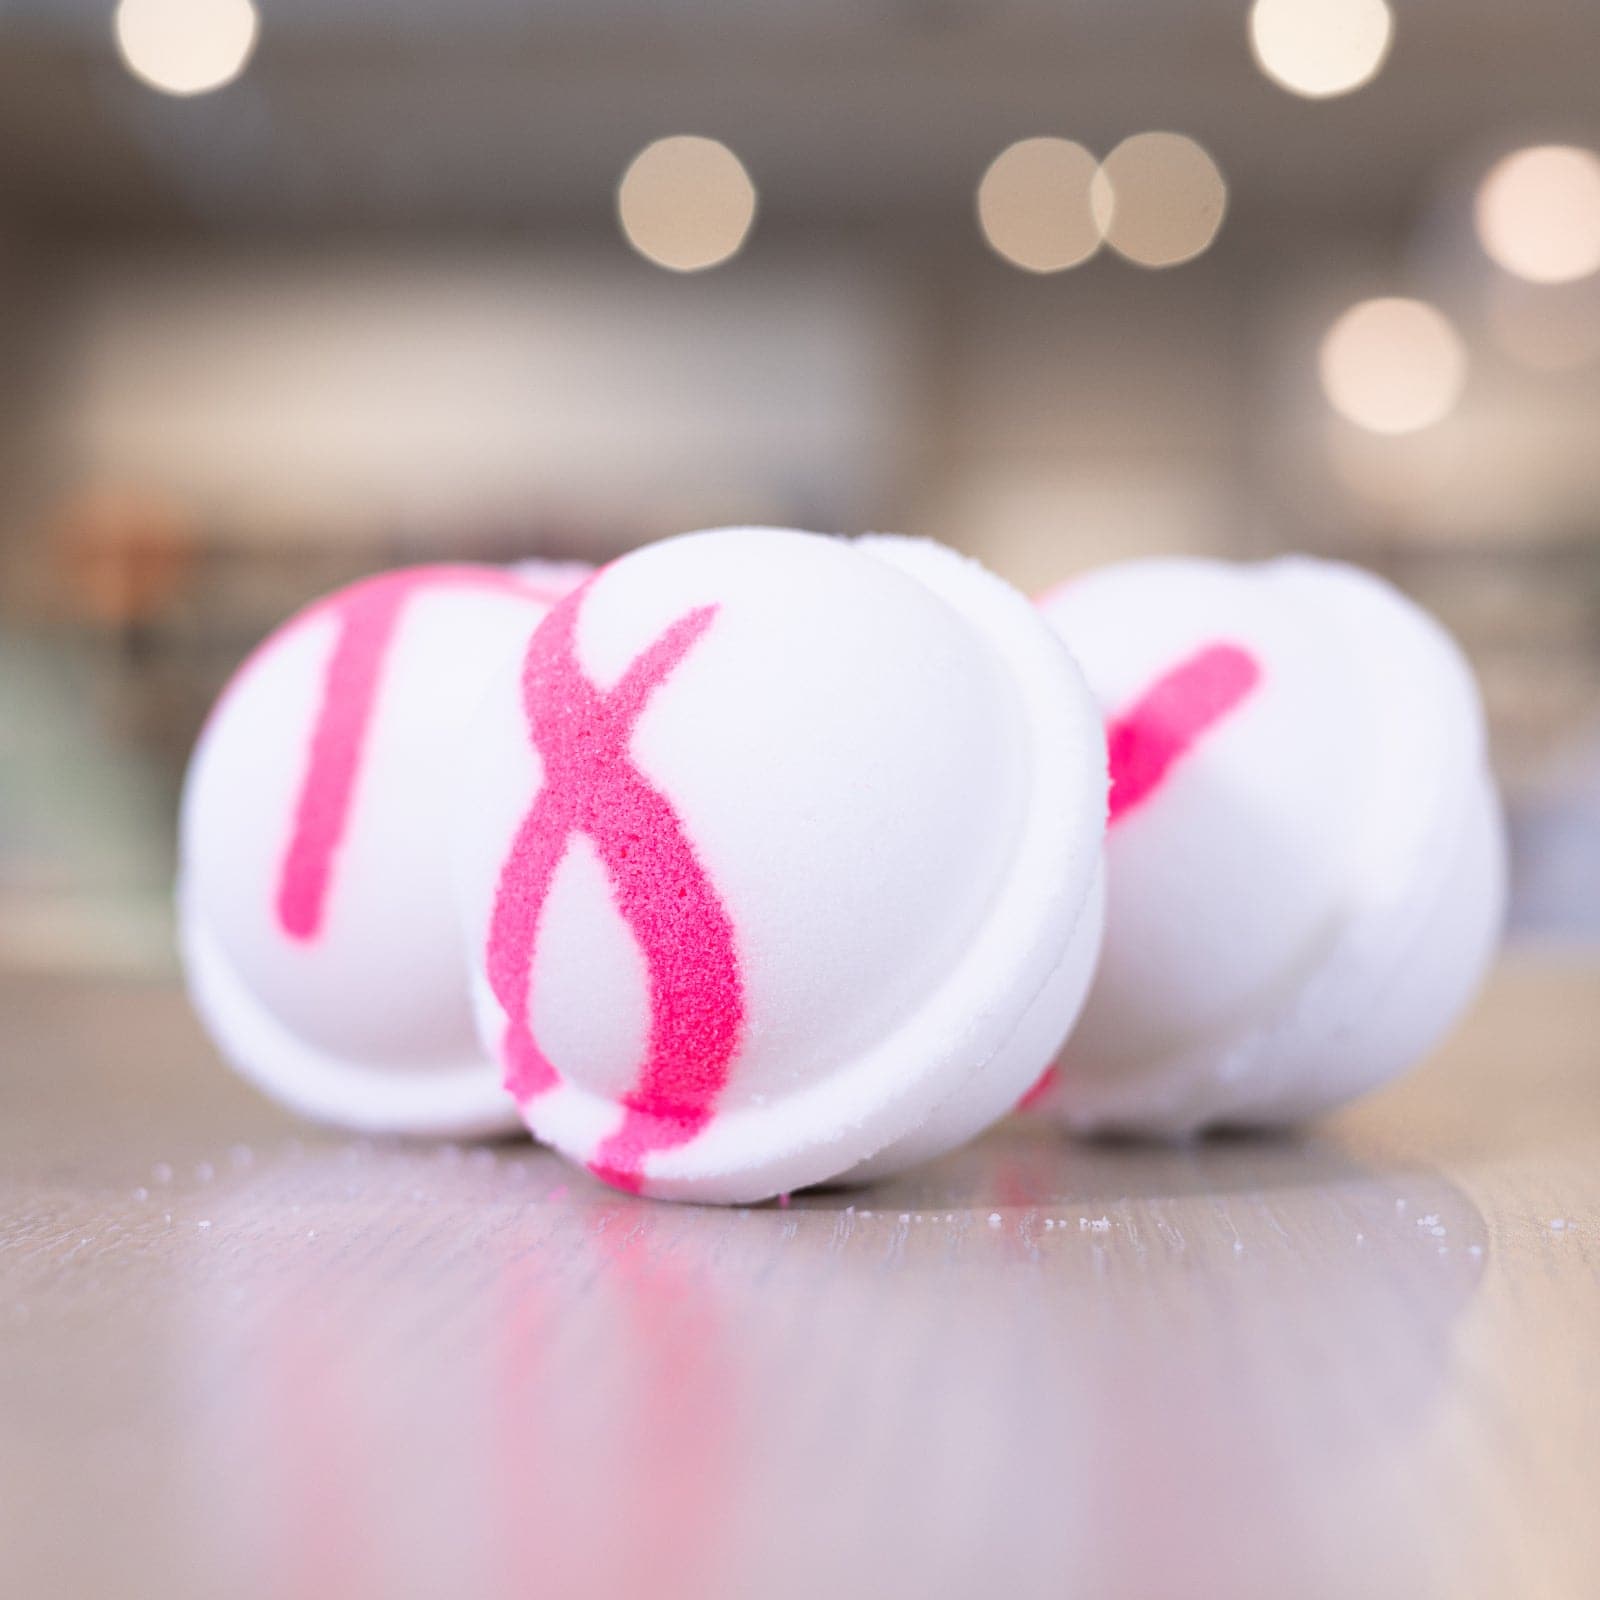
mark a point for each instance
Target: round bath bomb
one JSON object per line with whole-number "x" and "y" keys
{"x": 1304, "y": 856}
{"x": 315, "y": 907}
{"x": 777, "y": 860}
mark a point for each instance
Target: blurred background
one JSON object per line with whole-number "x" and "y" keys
{"x": 297, "y": 290}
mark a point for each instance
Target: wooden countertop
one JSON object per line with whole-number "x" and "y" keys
{"x": 242, "y": 1358}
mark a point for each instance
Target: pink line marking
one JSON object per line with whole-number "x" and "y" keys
{"x": 368, "y": 615}
{"x": 1047, "y": 1081}
{"x": 592, "y": 787}
{"x": 1162, "y": 726}
{"x": 1146, "y": 741}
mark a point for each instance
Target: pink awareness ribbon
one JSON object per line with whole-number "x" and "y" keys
{"x": 591, "y": 786}
{"x": 1145, "y": 742}
{"x": 368, "y": 615}
{"x": 1164, "y": 724}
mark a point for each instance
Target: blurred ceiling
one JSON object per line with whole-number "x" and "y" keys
{"x": 507, "y": 115}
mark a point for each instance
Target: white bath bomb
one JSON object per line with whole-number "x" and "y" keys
{"x": 1305, "y": 865}
{"x": 316, "y": 915}
{"x": 777, "y": 860}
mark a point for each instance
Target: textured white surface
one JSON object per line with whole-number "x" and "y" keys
{"x": 367, "y": 1025}
{"x": 1307, "y": 902}
{"x": 894, "y": 777}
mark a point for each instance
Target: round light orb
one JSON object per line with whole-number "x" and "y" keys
{"x": 1321, "y": 48}
{"x": 1538, "y": 213}
{"x": 186, "y": 47}
{"x": 1393, "y": 365}
{"x": 1034, "y": 206}
{"x": 1159, "y": 199}
{"x": 686, "y": 203}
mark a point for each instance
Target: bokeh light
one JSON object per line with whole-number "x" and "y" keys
{"x": 1538, "y": 213}
{"x": 1034, "y": 205}
{"x": 1320, "y": 48}
{"x": 1159, "y": 199}
{"x": 686, "y": 203}
{"x": 1393, "y": 365}
{"x": 186, "y": 47}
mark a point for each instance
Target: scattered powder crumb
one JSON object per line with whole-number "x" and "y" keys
{"x": 905, "y": 1216}
{"x": 994, "y": 1219}
{"x": 1238, "y": 1247}
{"x": 1101, "y": 1225}
{"x": 1361, "y": 1238}
{"x": 868, "y": 1213}
{"x": 141, "y": 1193}
{"x": 1558, "y": 1224}
{"x": 1429, "y": 1221}
{"x": 206, "y": 1223}
{"x": 1400, "y": 1205}
{"x": 1438, "y": 1233}
{"x": 311, "y": 1233}
{"x": 1474, "y": 1249}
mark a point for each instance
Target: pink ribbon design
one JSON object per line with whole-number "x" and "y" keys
{"x": 368, "y": 615}
{"x": 1158, "y": 730}
{"x": 1165, "y": 723}
{"x": 591, "y": 786}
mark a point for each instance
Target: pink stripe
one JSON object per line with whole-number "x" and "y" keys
{"x": 1147, "y": 740}
{"x": 1047, "y": 1081}
{"x": 591, "y": 786}
{"x": 368, "y": 614}
{"x": 1166, "y": 721}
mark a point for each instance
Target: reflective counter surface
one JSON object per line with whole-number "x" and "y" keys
{"x": 242, "y": 1357}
